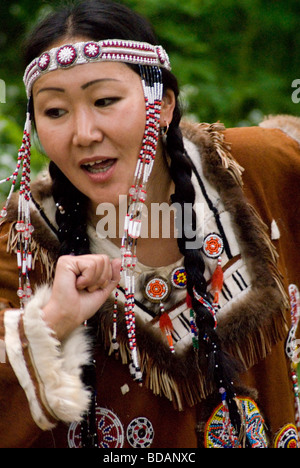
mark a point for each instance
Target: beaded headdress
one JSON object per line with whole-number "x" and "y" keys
{"x": 150, "y": 59}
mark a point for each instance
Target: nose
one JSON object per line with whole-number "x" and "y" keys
{"x": 86, "y": 130}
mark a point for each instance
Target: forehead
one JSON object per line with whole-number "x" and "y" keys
{"x": 78, "y": 75}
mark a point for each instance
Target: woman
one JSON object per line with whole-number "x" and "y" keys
{"x": 201, "y": 315}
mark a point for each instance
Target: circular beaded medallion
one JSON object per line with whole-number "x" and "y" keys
{"x": 178, "y": 278}
{"x": 91, "y": 50}
{"x": 66, "y": 55}
{"x": 140, "y": 433}
{"x": 157, "y": 289}
{"x": 109, "y": 428}
{"x": 216, "y": 435}
{"x": 213, "y": 245}
{"x": 43, "y": 61}
{"x": 287, "y": 437}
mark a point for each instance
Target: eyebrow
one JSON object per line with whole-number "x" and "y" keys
{"x": 85, "y": 86}
{"x": 90, "y": 83}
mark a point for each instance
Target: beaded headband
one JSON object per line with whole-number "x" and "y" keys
{"x": 68, "y": 55}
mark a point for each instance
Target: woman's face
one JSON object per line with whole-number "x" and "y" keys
{"x": 90, "y": 120}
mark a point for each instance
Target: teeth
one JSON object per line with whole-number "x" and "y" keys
{"x": 91, "y": 164}
{"x": 100, "y": 166}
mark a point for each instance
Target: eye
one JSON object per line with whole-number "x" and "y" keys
{"x": 55, "y": 113}
{"x": 105, "y": 102}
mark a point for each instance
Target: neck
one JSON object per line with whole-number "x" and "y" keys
{"x": 157, "y": 245}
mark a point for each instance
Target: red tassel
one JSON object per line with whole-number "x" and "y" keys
{"x": 217, "y": 283}
{"x": 166, "y": 327}
{"x": 217, "y": 278}
{"x": 170, "y": 341}
{"x": 165, "y": 323}
{"x": 189, "y": 301}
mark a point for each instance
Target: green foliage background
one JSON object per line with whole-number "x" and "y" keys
{"x": 235, "y": 60}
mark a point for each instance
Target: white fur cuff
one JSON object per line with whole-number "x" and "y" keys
{"x": 57, "y": 366}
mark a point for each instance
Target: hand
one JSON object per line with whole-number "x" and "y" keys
{"x": 81, "y": 285}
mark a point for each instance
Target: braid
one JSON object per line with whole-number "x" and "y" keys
{"x": 71, "y": 217}
{"x": 220, "y": 368}
{"x": 71, "y": 214}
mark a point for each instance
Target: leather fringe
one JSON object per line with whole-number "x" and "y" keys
{"x": 257, "y": 322}
{"x": 216, "y": 139}
{"x": 39, "y": 254}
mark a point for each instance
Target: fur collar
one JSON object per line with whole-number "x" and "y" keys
{"x": 264, "y": 308}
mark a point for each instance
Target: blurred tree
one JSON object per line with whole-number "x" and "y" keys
{"x": 235, "y": 60}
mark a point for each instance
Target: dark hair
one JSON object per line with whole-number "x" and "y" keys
{"x": 96, "y": 20}
{"x": 99, "y": 20}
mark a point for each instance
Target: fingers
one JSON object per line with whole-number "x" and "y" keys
{"x": 95, "y": 272}
{"x": 87, "y": 272}
{"x": 116, "y": 268}
{"x": 81, "y": 286}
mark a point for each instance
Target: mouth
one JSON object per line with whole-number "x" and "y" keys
{"x": 98, "y": 166}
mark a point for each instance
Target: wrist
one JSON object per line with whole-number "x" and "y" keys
{"x": 57, "y": 320}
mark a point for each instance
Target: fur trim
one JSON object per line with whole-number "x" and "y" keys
{"x": 60, "y": 381}
{"x": 179, "y": 377}
{"x": 210, "y": 137}
{"x": 57, "y": 367}
{"x": 289, "y": 124}
{"x": 249, "y": 327}
{"x": 15, "y": 355}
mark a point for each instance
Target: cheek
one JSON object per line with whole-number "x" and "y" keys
{"x": 52, "y": 141}
{"x": 132, "y": 123}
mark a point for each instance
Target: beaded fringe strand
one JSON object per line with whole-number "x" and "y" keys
{"x": 24, "y": 227}
{"x": 153, "y": 89}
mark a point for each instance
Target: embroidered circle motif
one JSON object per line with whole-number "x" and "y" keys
{"x": 157, "y": 289}
{"x": 43, "y": 61}
{"x": 91, "y": 50}
{"x": 140, "y": 433}
{"x": 213, "y": 245}
{"x": 286, "y": 437}
{"x": 216, "y": 436}
{"x": 178, "y": 278}
{"x": 109, "y": 427}
{"x": 66, "y": 56}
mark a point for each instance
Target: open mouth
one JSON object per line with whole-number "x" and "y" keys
{"x": 97, "y": 167}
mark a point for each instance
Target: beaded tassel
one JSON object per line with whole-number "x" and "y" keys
{"x": 206, "y": 304}
{"x": 115, "y": 344}
{"x": 23, "y": 225}
{"x": 193, "y": 326}
{"x": 153, "y": 89}
{"x": 194, "y": 330}
{"x": 291, "y": 350}
{"x": 228, "y": 430}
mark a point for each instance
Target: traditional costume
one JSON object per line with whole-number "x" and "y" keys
{"x": 244, "y": 181}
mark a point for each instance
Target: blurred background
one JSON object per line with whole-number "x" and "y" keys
{"x": 236, "y": 61}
